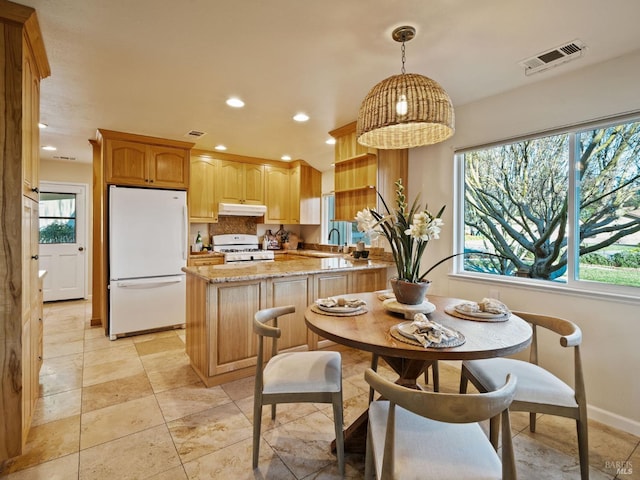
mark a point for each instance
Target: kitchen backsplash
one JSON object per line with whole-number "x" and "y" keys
{"x": 225, "y": 225}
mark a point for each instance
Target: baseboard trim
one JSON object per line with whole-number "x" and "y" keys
{"x": 613, "y": 420}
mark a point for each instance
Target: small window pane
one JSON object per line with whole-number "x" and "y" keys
{"x": 515, "y": 206}
{"x": 57, "y": 217}
{"x": 609, "y": 167}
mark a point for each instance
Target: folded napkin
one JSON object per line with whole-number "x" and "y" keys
{"x": 491, "y": 305}
{"x": 427, "y": 332}
{"x": 340, "y": 302}
{"x": 488, "y": 305}
{"x": 384, "y": 295}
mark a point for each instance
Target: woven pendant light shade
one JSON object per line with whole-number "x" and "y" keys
{"x": 429, "y": 114}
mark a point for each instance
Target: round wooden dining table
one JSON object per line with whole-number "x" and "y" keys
{"x": 371, "y": 332}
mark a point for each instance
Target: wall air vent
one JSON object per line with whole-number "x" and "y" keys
{"x": 194, "y": 134}
{"x": 57, "y": 157}
{"x": 553, "y": 57}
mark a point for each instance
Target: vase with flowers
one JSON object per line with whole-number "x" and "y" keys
{"x": 408, "y": 231}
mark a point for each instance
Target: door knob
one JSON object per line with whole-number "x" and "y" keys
{"x": 34, "y": 257}
{"x": 81, "y": 249}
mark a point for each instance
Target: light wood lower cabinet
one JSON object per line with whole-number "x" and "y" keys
{"x": 220, "y": 339}
{"x": 294, "y": 291}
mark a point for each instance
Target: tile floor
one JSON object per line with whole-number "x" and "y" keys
{"x": 134, "y": 409}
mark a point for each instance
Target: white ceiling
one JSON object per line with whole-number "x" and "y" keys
{"x": 163, "y": 68}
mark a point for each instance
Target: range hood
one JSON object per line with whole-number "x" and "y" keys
{"x": 241, "y": 209}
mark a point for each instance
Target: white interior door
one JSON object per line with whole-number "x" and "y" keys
{"x": 63, "y": 251}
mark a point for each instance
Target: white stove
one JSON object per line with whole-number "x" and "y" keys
{"x": 241, "y": 248}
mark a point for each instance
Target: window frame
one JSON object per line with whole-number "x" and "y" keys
{"x": 572, "y": 285}
{"x": 57, "y": 218}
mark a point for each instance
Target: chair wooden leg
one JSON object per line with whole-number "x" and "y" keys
{"x": 273, "y": 411}
{"x": 338, "y": 421}
{"x": 494, "y": 431}
{"x": 583, "y": 448}
{"x": 435, "y": 373}
{"x": 532, "y": 421}
{"x": 464, "y": 381}
{"x": 374, "y": 367}
{"x": 257, "y": 420}
{"x": 369, "y": 468}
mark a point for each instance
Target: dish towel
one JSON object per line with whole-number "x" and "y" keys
{"x": 427, "y": 332}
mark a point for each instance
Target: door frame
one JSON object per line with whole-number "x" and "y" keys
{"x": 59, "y": 187}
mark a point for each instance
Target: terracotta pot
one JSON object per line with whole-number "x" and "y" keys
{"x": 409, "y": 293}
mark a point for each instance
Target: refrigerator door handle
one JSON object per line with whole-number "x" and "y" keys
{"x": 149, "y": 284}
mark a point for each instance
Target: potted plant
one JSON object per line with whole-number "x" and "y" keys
{"x": 408, "y": 231}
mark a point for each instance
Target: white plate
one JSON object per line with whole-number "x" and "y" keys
{"x": 339, "y": 309}
{"x": 479, "y": 314}
{"x": 406, "y": 330}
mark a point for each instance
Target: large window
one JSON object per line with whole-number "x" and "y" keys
{"x": 57, "y": 217}
{"x": 562, "y": 208}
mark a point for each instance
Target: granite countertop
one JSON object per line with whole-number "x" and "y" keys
{"x": 296, "y": 265}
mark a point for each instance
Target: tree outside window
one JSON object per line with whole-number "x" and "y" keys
{"x": 519, "y": 203}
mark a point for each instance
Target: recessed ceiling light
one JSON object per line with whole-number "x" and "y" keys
{"x": 42, "y": 125}
{"x": 331, "y": 141}
{"x": 235, "y": 102}
{"x": 301, "y": 117}
{"x": 49, "y": 147}
{"x": 286, "y": 158}
{"x": 220, "y": 147}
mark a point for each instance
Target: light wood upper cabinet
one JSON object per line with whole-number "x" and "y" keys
{"x": 240, "y": 183}
{"x": 292, "y": 195}
{"x": 277, "y": 195}
{"x": 30, "y": 119}
{"x": 361, "y": 173}
{"x": 140, "y": 164}
{"x": 306, "y": 194}
{"x": 203, "y": 204}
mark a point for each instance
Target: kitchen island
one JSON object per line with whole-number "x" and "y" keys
{"x": 222, "y": 300}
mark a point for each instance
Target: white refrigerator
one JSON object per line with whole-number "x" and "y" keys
{"x": 147, "y": 250}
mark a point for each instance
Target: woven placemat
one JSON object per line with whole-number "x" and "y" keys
{"x": 315, "y": 309}
{"x": 454, "y": 313}
{"x": 456, "y": 342}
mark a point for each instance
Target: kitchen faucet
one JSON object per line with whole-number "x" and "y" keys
{"x": 334, "y": 229}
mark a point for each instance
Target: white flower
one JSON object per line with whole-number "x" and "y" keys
{"x": 367, "y": 223}
{"x": 424, "y": 227}
{"x": 434, "y": 228}
{"x": 365, "y": 220}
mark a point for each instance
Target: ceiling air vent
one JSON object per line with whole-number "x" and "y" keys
{"x": 553, "y": 58}
{"x": 194, "y": 134}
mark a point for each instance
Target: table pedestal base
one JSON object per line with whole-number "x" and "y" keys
{"x": 355, "y": 436}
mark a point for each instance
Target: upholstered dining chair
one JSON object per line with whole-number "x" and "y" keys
{"x": 294, "y": 377}
{"x": 538, "y": 390}
{"x": 416, "y": 434}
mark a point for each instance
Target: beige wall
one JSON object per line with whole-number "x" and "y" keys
{"x": 610, "y": 326}
{"x": 74, "y": 172}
